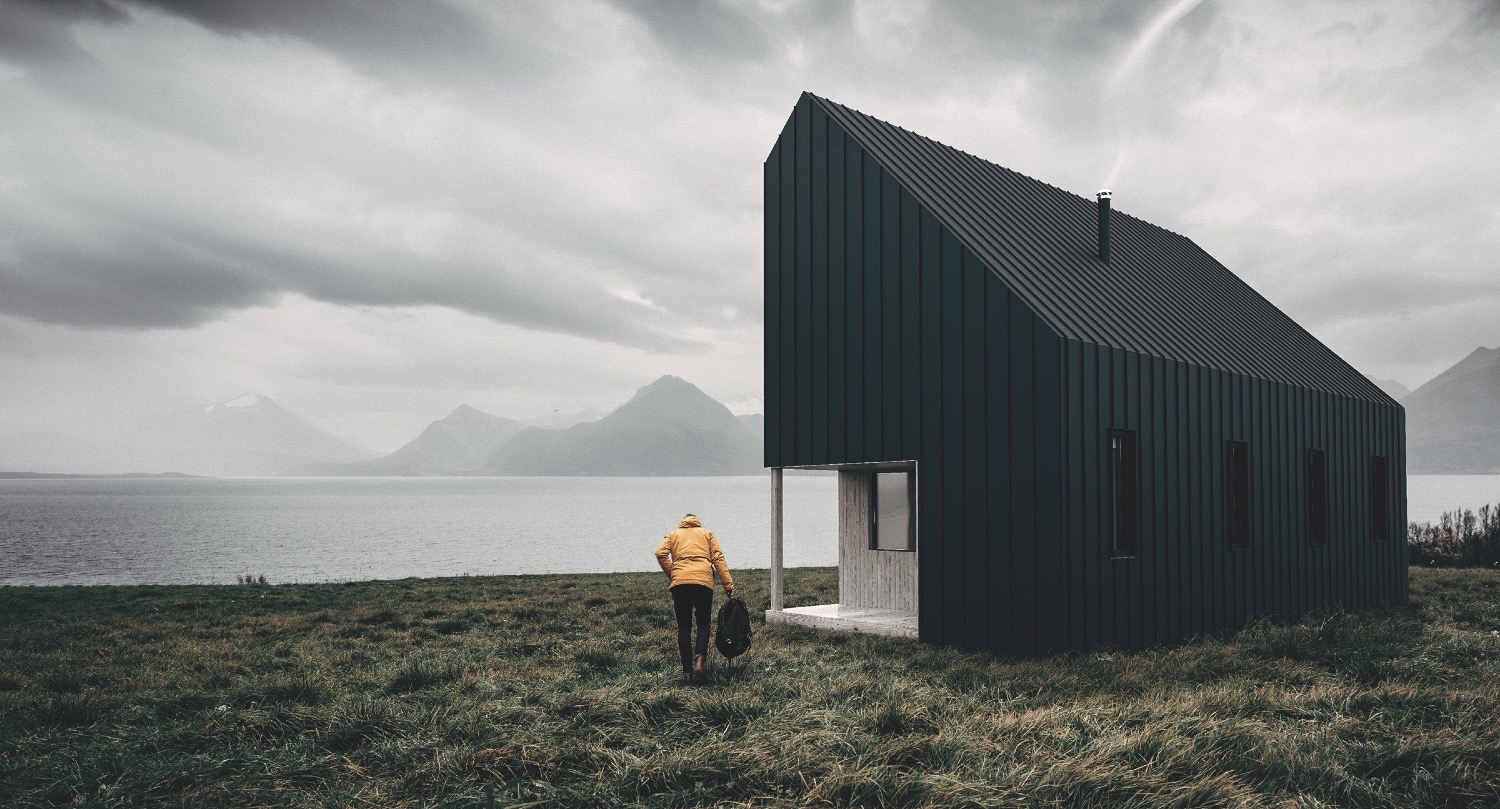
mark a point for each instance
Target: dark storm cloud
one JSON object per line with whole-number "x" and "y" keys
{"x": 592, "y": 168}
{"x": 430, "y": 41}
{"x": 38, "y": 31}
{"x": 92, "y": 250}
{"x": 119, "y": 268}
{"x": 425, "y": 42}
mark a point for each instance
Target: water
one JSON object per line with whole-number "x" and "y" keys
{"x": 147, "y": 531}
{"x": 1428, "y": 496}
{"x": 181, "y": 531}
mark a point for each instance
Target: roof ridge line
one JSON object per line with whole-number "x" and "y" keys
{"x": 1117, "y": 211}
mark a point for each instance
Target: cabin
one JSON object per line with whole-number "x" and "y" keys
{"x": 1055, "y": 426}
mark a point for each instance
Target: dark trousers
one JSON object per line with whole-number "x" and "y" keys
{"x": 686, "y": 600}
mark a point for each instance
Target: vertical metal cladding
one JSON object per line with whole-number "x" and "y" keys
{"x": 888, "y": 337}
{"x": 1188, "y": 577}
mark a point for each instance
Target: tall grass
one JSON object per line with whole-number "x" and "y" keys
{"x": 562, "y": 691}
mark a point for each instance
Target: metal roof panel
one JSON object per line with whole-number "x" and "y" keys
{"x": 1161, "y": 294}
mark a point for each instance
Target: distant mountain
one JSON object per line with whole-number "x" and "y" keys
{"x": 459, "y": 443}
{"x": 250, "y": 435}
{"x": 1392, "y": 388}
{"x": 1453, "y": 421}
{"x": 557, "y": 420}
{"x": 669, "y": 427}
{"x": 755, "y": 423}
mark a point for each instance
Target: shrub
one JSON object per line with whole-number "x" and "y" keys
{"x": 1461, "y": 538}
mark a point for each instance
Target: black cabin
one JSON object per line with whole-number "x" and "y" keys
{"x": 1056, "y": 426}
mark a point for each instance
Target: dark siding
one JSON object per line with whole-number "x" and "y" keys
{"x": 802, "y": 315}
{"x": 818, "y": 375}
{"x": 948, "y": 565}
{"x": 854, "y": 306}
{"x": 930, "y": 448}
{"x": 911, "y": 342}
{"x": 874, "y": 397}
{"x": 928, "y": 356}
{"x": 889, "y": 338}
{"x": 891, "y": 311}
{"x": 786, "y": 271}
{"x": 1154, "y": 475}
{"x": 1001, "y": 545}
{"x": 1023, "y": 479}
{"x": 1076, "y": 561}
{"x": 1186, "y": 568}
{"x": 972, "y": 541}
{"x": 1045, "y": 518}
{"x": 772, "y": 292}
{"x": 837, "y": 272}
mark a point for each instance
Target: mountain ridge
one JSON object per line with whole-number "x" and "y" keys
{"x": 1453, "y": 420}
{"x": 457, "y": 444}
{"x": 668, "y": 428}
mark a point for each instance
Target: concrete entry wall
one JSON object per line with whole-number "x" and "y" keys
{"x": 869, "y": 578}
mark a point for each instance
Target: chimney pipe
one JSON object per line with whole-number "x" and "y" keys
{"x": 1104, "y": 197}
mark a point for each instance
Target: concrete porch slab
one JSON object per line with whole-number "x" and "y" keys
{"x": 844, "y": 618}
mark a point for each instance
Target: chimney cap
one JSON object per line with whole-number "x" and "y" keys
{"x": 1105, "y": 193}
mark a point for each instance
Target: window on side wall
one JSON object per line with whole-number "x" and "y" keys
{"x": 893, "y": 524}
{"x": 1317, "y": 497}
{"x": 1122, "y": 497}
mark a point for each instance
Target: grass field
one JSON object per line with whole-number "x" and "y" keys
{"x": 562, "y": 691}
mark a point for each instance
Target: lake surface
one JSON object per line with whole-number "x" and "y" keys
{"x": 176, "y": 531}
{"x": 1428, "y": 496}
{"x": 182, "y": 531}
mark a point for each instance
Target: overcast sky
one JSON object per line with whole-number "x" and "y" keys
{"x": 376, "y": 211}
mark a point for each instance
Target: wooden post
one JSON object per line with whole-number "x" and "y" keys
{"x": 776, "y": 540}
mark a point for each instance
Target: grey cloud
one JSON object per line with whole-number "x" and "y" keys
{"x": 715, "y": 31}
{"x": 35, "y": 31}
{"x": 177, "y": 275}
{"x": 424, "y": 41}
{"x": 151, "y": 285}
{"x": 401, "y": 37}
{"x": 1486, "y": 13}
{"x": 525, "y": 162}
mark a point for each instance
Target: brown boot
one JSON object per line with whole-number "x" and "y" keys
{"x": 698, "y": 664}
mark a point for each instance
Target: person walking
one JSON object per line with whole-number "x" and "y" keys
{"x": 690, "y": 556}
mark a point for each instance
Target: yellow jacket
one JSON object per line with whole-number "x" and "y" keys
{"x": 691, "y": 554}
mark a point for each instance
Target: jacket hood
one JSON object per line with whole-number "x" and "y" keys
{"x": 690, "y": 522}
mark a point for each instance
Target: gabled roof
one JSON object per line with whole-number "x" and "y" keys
{"x": 1160, "y": 295}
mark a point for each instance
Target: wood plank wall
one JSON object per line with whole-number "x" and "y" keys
{"x": 870, "y": 578}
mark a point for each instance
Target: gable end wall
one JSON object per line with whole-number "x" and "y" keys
{"x": 888, "y": 340}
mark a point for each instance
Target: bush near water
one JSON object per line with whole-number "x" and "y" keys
{"x": 1460, "y": 538}
{"x": 561, "y": 690}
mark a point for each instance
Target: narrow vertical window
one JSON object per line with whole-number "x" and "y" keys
{"x": 892, "y": 518}
{"x": 1122, "y": 493}
{"x": 1237, "y": 493}
{"x": 1380, "y": 500}
{"x": 1317, "y": 497}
